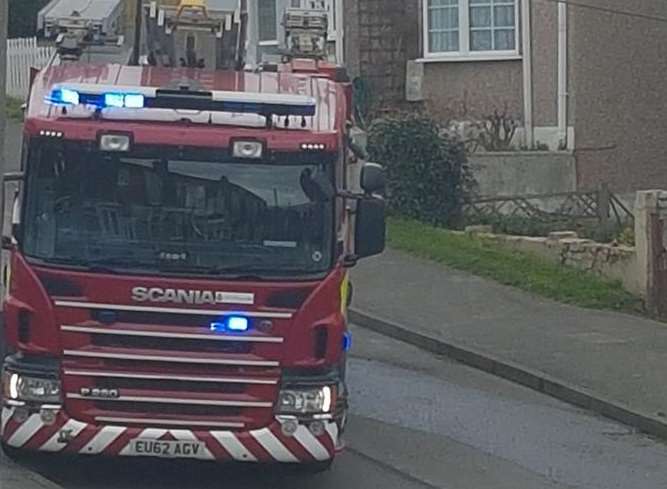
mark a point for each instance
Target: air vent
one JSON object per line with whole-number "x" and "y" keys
{"x": 24, "y": 326}
{"x": 321, "y": 337}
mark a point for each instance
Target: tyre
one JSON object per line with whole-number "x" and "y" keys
{"x": 11, "y": 452}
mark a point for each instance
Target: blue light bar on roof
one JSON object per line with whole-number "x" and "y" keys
{"x": 110, "y": 97}
{"x": 63, "y": 96}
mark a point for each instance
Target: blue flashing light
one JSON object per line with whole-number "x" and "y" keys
{"x": 134, "y": 101}
{"x": 218, "y": 326}
{"x": 235, "y": 324}
{"x": 114, "y": 100}
{"x": 124, "y": 100}
{"x": 64, "y": 96}
{"x": 347, "y": 341}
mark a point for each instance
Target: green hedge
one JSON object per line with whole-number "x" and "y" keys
{"x": 427, "y": 173}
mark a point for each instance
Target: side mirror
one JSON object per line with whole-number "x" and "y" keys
{"x": 16, "y": 176}
{"x": 370, "y": 232}
{"x": 373, "y": 178}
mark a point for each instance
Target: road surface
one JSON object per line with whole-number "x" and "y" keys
{"x": 418, "y": 422}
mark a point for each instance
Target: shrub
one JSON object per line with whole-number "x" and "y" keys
{"x": 427, "y": 173}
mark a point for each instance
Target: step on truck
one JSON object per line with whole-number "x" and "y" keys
{"x": 179, "y": 252}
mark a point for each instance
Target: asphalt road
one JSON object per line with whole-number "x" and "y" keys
{"x": 420, "y": 421}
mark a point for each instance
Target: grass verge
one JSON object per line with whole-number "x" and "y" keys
{"x": 14, "y": 111}
{"x": 524, "y": 271}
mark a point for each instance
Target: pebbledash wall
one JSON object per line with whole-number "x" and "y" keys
{"x": 633, "y": 266}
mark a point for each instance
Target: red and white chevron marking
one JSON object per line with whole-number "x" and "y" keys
{"x": 264, "y": 445}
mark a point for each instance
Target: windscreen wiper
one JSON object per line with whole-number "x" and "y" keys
{"x": 75, "y": 263}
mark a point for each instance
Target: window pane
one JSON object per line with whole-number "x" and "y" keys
{"x": 443, "y": 25}
{"x": 268, "y": 22}
{"x": 480, "y": 17}
{"x": 504, "y": 40}
{"x": 480, "y": 40}
{"x": 440, "y": 42}
{"x": 444, "y": 18}
{"x": 504, "y": 16}
{"x": 492, "y": 25}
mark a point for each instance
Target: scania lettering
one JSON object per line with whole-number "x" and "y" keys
{"x": 180, "y": 296}
{"x": 178, "y": 279}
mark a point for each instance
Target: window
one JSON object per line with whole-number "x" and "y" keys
{"x": 328, "y": 5}
{"x": 459, "y": 28}
{"x": 268, "y": 21}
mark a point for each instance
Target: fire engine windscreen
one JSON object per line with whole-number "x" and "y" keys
{"x": 192, "y": 214}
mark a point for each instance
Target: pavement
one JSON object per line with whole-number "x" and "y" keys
{"x": 611, "y": 363}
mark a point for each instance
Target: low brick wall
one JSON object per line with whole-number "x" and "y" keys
{"x": 606, "y": 260}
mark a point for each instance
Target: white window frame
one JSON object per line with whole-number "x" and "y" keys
{"x": 332, "y": 35}
{"x": 464, "y": 53}
{"x": 269, "y": 42}
{"x": 331, "y": 7}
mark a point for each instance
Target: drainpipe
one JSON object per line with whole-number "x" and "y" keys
{"x": 562, "y": 75}
{"x": 340, "y": 32}
{"x": 526, "y": 36}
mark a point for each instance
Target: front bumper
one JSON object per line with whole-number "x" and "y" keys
{"x": 26, "y": 429}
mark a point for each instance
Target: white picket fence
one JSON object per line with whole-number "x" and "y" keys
{"x": 23, "y": 54}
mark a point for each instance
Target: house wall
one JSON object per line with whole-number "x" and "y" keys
{"x": 473, "y": 89}
{"x": 381, "y": 35}
{"x": 618, "y": 72}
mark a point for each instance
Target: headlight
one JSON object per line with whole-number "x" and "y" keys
{"x": 248, "y": 149}
{"x": 305, "y": 401}
{"x": 23, "y": 388}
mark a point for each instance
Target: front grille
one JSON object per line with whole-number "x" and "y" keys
{"x": 165, "y": 372}
{"x": 178, "y": 410}
{"x": 166, "y": 319}
{"x": 170, "y": 385}
{"x": 171, "y": 344}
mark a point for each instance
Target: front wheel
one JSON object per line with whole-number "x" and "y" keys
{"x": 11, "y": 452}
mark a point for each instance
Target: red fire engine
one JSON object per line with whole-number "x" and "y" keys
{"x": 178, "y": 280}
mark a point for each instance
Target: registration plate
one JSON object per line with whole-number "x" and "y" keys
{"x": 166, "y": 449}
